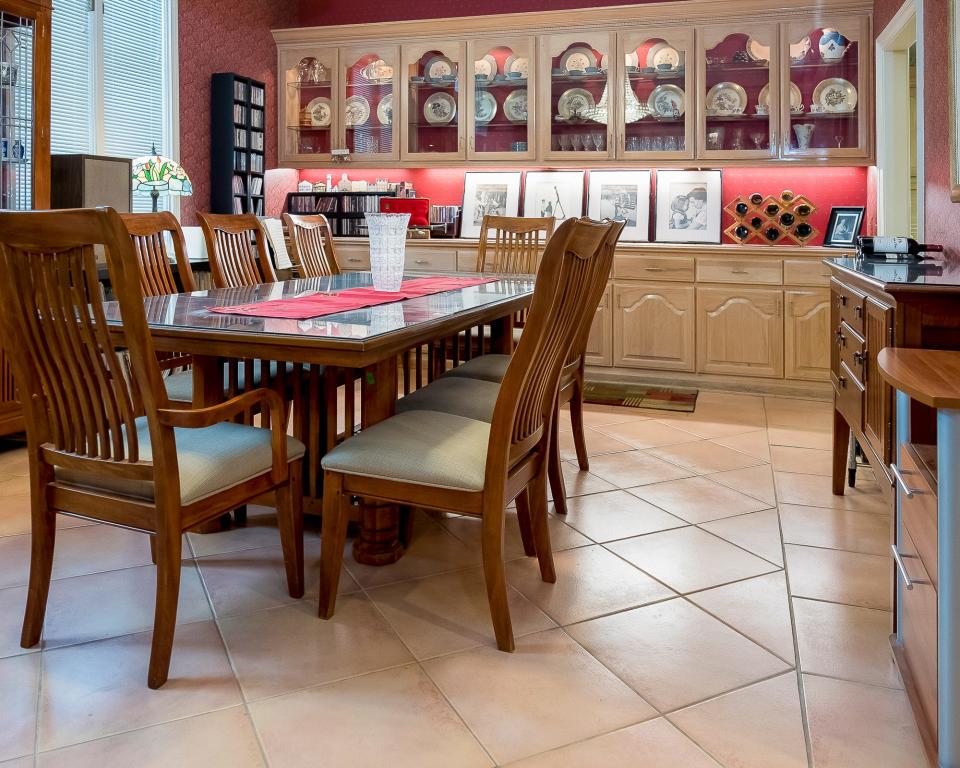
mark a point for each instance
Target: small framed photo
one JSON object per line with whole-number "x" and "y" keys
{"x": 553, "y": 193}
{"x": 844, "y": 226}
{"x": 621, "y": 196}
{"x": 688, "y": 206}
{"x": 488, "y": 194}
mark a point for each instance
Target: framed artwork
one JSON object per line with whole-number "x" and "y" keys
{"x": 553, "y": 193}
{"x": 622, "y": 196}
{"x": 843, "y": 227}
{"x": 493, "y": 194}
{"x": 688, "y": 206}
{"x": 954, "y": 33}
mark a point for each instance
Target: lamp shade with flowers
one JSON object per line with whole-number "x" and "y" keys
{"x": 155, "y": 173}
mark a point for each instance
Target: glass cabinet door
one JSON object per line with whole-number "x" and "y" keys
{"x": 499, "y": 90}
{"x": 825, "y": 67}
{"x": 655, "y": 118}
{"x": 433, "y": 101}
{"x": 367, "y": 102}
{"x": 738, "y": 92}
{"x": 578, "y": 96}
{"x": 309, "y": 123}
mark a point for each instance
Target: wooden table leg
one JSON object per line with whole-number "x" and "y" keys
{"x": 379, "y": 539}
{"x": 207, "y": 391}
{"x": 501, "y": 335}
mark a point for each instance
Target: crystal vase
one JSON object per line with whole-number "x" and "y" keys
{"x": 388, "y": 240}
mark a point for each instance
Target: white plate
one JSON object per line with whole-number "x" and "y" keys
{"x": 757, "y": 51}
{"x": 356, "y": 111}
{"x": 515, "y": 106}
{"x": 835, "y": 95}
{"x": 575, "y": 102}
{"x": 516, "y": 63}
{"x": 663, "y": 53}
{"x": 487, "y": 66}
{"x": 485, "y": 108}
{"x": 796, "y": 98}
{"x": 385, "y": 110}
{"x": 440, "y": 108}
{"x": 800, "y": 49}
{"x": 318, "y": 112}
{"x": 666, "y": 100}
{"x": 578, "y": 58}
{"x": 438, "y": 67}
{"x": 727, "y": 99}
{"x": 377, "y": 71}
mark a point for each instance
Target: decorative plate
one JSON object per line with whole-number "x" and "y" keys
{"x": 757, "y": 51}
{"x": 835, "y": 95}
{"x": 440, "y": 108}
{"x": 487, "y": 66}
{"x": 385, "y": 110}
{"x": 485, "y": 108}
{"x": 663, "y": 53}
{"x": 578, "y": 58}
{"x": 667, "y": 101}
{"x": 318, "y": 113}
{"x": 439, "y": 67}
{"x": 832, "y": 45}
{"x": 574, "y": 103}
{"x": 515, "y": 106}
{"x": 727, "y": 99}
{"x": 516, "y": 63}
{"x": 796, "y": 98}
{"x": 356, "y": 111}
{"x": 800, "y": 49}
{"x": 377, "y": 71}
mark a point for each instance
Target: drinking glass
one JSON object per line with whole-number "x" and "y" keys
{"x": 658, "y": 143}
{"x": 388, "y": 241}
{"x": 576, "y": 140}
{"x": 565, "y": 142}
{"x": 598, "y": 141}
{"x": 645, "y": 144}
{"x": 670, "y": 144}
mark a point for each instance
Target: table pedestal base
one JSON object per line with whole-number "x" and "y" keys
{"x": 378, "y": 542}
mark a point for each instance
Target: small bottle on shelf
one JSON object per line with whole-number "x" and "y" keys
{"x": 874, "y": 246}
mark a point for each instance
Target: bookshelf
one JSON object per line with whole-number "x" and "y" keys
{"x": 238, "y": 142}
{"x": 343, "y": 209}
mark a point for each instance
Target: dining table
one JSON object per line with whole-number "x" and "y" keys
{"x": 368, "y": 344}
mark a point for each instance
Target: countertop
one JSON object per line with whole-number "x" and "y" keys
{"x": 904, "y": 273}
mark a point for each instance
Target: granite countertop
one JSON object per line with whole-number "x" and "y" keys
{"x": 931, "y": 273}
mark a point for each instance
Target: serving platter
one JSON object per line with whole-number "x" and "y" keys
{"x": 667, "y": 100}
{"x": 515, "y": 106}
{"x": 356, "y": 111}
{"x": 318, "y": 113}
{"x": 575, "y": 102}
{"x": 440, "y": 108}
{"x": 727, "y": 98}
{"x": 835, "y": 95}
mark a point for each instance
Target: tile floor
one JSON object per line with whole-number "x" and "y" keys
{"x": 715, "y": 605}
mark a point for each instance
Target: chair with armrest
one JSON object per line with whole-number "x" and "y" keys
{"x": 311, "y": 245}
{"x": 453, "y": 463}
{"x": 113, "y": 449}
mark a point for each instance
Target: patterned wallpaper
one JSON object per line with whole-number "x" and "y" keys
{"x": 223, "y": 36}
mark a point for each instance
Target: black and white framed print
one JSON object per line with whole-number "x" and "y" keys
{"x": 621, "y": 196}
{"x": 843, "y": 227}
{"x": 553, "y": 193}
{"x": 488, "y": 194}
{"x": 688, "y": 206}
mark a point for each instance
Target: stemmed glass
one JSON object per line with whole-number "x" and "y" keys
{"x": 577, "y": 142}
{"x": 839, "y": 140}
{"x": 598, "y": 141}
{"x": 565, "y": 142}
{"x": 757, "y": 139}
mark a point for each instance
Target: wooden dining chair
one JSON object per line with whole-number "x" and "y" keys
{"x": 109, "y": 448}
{"x": 456, "y": 464}
{"x": 311, "y": 245}
{"x": 512, "y": 244}
{"x": 237, "y": 249}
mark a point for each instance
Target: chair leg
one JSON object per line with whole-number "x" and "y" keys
{"x": 333, "y": 537}
{"x": 165, "y": 616}
{"x": 290, "y": 521}
{"x": 541, "y": 532}
{"x": 153, "y": 548}
{"x": 555, "y": 471}
{"x": 493, "y": 573}
{"x": 576, "y": 421}
{"x": 240, "y": 515}
{"x": 526, "y": 530}
{"x": 44, "y": 528}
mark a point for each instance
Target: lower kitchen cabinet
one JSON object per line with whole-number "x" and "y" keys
{"x": 740, "y": 331}
{"x": 806, "y": 327}
{"x": 654, "y": 326}
{"x": 600, "y": 343}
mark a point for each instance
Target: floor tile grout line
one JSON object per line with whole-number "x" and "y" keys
{"x": 825, "y": 676}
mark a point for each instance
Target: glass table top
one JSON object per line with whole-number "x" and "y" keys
{"x": 929, "y": 272}
{"x": 191, "y": 311}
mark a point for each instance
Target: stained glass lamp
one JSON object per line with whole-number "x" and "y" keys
{"x": 154, "y": 174}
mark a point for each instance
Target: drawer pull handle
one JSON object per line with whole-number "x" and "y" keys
{"x": 842, "y": 380}
{"x": 898, "y": 480}
{"x": 907, "y": 581}
{"x": 739, "y": 271}
{"x": 354, "y": 259}
{"x": 858, "y": 358}
{"x": 421, "y": 261}
{"x": 858, "y": 311}
{"x": 653, "y": 269}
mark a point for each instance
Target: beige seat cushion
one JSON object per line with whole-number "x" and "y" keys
{"x": 180, "y": 385}
{"x": 472, "y": 398}
{"x": 439, "y": 450}
{"x": 210, "y": 460}
{"x": 486, "y": 367}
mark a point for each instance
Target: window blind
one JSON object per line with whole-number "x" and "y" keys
{"x": 71, "y": 105}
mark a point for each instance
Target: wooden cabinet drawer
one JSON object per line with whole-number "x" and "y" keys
{"x": 757, "y": 271}
{"x": 805, "y": 272}
{"x": 919, "y": 513}
{"x": 917, "y": 622}
{"x": 429, "y": 260}
{"x": 849, "y": 304}
{"x": 467, "y": 260}
{"x": 354, "y": 258}
{"x": 848, "y": 396}
{"x": 654, "y": 268}
{"x": 852, "y": 351}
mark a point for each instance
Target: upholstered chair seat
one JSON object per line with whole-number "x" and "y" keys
{"x": 472, "y": 398}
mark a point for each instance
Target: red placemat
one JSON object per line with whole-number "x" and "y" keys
{"x": 317, "y": 304}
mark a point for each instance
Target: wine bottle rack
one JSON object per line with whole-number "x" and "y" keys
{"x": 771, "y": 219}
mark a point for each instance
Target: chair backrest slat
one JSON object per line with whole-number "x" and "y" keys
{"x": 311, "y": 245}
{"x": 148, "y": 233}
{"x": 515, "y": 245}
{"x": 237, "y": 249}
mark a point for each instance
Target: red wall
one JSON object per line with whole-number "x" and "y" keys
{"x": 328, "y": 12}
{"x": 223, "y": 36}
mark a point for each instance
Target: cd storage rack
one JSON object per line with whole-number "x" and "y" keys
{"x": 343, "y": 209}
{"x": 238, "y": 144}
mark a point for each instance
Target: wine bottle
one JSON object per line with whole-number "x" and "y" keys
{"x": 869, "y": 246}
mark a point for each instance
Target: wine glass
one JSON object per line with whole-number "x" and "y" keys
{"x": 839, "y": 140}
{"x": 565, "y": 142}
{"x": 576, "y": 139}
{"x": 598, "y": 141}
{"x": 758, "y": 139}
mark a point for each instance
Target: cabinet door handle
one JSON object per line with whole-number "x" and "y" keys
{"x": 858, "y": 358}
{"x": 842, "y": 381}
{"x": 843, "y": 300}
{"x": 908, "y": 492}
{"x": 901, "y": 568}
{"x": 858, "y": 311}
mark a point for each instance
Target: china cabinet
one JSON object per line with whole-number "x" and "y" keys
{"x": 368, "y": 77}
{"x": 501, "y": 93}
{"x": 433, "y": 104}
{"x": 656, "y": 114}
{"x": 310, "y": 110}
